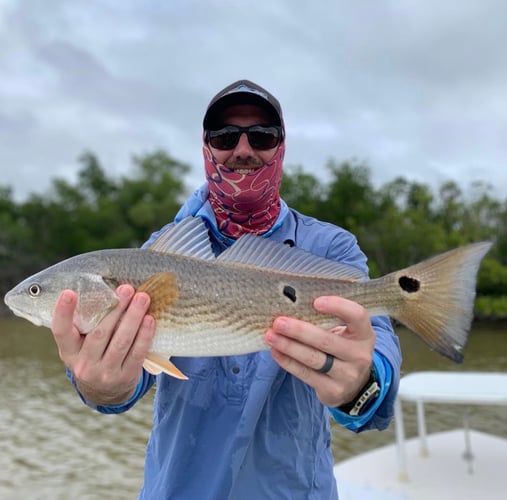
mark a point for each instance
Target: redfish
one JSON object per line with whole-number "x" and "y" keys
{"x": 206, "y": 305}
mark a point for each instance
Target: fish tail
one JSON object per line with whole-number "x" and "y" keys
{"x": 438, "y": 298}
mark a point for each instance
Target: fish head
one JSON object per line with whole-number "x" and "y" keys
{"x": 35, "y": 297}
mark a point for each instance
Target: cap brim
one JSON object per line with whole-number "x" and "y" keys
{"x": 214, "y": 112}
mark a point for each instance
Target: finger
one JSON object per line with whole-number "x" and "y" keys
{"x": 67, "y": 337}
{"x": 351, "y": 313}
{"x": 311, "y": 335}
{"x": 97, "y": 341}
{"x": 332, "y": 390}
{"x": 317, "y": 380}
{"x": 343, "y": 346}
{"x": 141, "y": 345}
{"x": 305, "y": 354}
{"x": 127, "y": 329}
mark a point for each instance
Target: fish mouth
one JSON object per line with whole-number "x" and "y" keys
{"x": 33, "y": 319}
{"x": 9, "y": 300}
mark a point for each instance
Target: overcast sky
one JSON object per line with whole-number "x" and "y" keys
{"x": 414, "y": 88}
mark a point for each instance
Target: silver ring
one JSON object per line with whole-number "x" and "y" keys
{"x": 328, "y": 364}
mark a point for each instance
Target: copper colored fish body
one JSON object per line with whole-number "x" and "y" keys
{"x": 215, "y": 306}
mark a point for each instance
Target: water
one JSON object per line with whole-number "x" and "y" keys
{"x": 53, "y": 447}
{"x": 486, "y": 351}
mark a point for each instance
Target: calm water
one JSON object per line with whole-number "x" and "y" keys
{"x": 52, "y": 447}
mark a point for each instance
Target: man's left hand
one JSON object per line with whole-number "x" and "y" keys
{"x": 301, "y": 348}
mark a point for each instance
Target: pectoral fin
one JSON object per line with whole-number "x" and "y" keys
{"x": 156, "y": 364}
{"x": 163, "y": 291}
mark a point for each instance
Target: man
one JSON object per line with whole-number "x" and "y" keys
{"x": 254, "y": 426}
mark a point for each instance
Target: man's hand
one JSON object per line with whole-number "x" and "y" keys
{"x": 107, "y": 362}
{"x": 301, "y": 348}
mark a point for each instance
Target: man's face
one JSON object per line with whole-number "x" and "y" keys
{"x": 243, "y": 155}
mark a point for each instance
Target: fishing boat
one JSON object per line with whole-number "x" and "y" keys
{"x": 460, "y": 463}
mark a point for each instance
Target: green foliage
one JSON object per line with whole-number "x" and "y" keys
{"x": 302, "y": 191}
{"x": 396, "y": 224}
{"x": 97, "y": 211}
{"x": 403, "y": 222}
{"x": 493, "y": 277}
{"x": 349, "y": 196}
{"x": 491, "y": 307}
{"x": 153, "y": 196}
{"x": 15, "y": 241}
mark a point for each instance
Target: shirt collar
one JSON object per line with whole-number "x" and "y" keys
{"x": 198, "y": 205}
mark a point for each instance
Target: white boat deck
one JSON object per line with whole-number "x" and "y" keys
{"x": 461, "y": 464}
{"x": 441, "y": 475}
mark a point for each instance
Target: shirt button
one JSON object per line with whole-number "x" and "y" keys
{"x": 235, "y": 370}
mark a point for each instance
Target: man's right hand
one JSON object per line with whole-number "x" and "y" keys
{"x": 107, "y": 362}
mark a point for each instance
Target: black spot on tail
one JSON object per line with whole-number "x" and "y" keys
{"x": 290, "y": 293}
{"x": 409, "y": 284}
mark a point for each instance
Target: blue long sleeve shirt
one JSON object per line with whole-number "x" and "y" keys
{"x": 242, "y": 427}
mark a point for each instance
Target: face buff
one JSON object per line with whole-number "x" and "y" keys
{"x": 244, "y": 203}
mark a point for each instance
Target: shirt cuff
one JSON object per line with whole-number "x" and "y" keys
{"x": 384, "y": 377}
{"x": 119, "y": 408}
{"x": 109, "y": 408}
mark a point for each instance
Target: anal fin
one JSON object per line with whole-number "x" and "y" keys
{"x": 156, "y": 364}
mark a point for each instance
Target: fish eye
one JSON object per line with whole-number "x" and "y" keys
{"x": 34, "y": 290}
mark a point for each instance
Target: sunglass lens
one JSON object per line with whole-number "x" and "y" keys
{"x": 259, "y": 137}
{"x": 263, "y": 137}
{"x": 224, "y": 139}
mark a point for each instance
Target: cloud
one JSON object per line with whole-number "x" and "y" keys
{"x": 416, "y": 89}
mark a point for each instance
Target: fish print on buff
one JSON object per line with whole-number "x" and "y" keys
{"x": 244, "y": 203}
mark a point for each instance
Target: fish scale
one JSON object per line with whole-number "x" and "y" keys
{"x": 231, "y": 319}
{"x": 217, "y": 306}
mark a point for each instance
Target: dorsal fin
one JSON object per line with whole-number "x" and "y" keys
{"x": 188, "y": 237}
{"x": 260, "y": 252}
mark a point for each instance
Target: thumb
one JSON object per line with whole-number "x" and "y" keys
{"x": 351, "y": 313}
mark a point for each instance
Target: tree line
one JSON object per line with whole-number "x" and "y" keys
{"x": 397, "y": 224}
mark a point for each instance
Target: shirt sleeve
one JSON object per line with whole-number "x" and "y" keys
{"x": 144, "y": 384}
{"x": 378, "y": 415}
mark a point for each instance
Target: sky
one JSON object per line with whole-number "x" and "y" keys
{"x": 411, "y": 88}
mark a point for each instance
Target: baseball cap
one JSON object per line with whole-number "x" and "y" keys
{"x": 242, "y": 92}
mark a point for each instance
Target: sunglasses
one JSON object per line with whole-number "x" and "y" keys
{"x": 259, "y": 137}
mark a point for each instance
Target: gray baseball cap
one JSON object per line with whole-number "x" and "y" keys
{"x": 242, "y": 92}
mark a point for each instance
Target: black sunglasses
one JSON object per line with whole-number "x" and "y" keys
{"x": 259, "y": 137}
